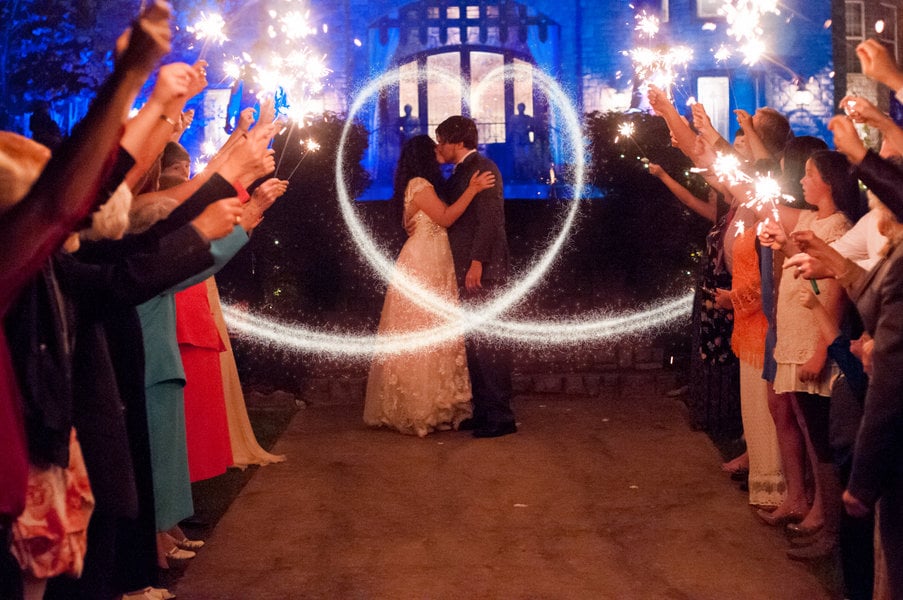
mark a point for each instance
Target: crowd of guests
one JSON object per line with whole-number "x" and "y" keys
{"x": 118, "y": 388}
{"x": 799, "y": 309}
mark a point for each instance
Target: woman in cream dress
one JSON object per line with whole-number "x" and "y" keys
{"x": 427, "y": 389}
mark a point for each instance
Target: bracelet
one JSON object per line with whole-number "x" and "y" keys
{"x": 170, "y": 121}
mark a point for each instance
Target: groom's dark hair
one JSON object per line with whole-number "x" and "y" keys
{"x": 458, "y": 129}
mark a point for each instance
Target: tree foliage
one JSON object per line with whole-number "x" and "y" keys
{"x": 55, "y": 49}
{"x": 304, "y": 264}
{"x": 649, "y": 242}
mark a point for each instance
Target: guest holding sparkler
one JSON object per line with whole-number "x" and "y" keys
{"x": 714, "y": 399}
{"x": 804, "y": 373}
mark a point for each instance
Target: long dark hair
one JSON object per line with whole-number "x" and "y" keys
{"x": 835, "y": 171}
{"x": 418, "y": 159}
{"x": 796, "y": 153}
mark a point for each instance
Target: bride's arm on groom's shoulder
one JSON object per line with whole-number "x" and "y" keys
{"x": 444, "y": 215}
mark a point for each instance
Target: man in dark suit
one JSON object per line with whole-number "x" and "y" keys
{"x": 480, "y": 251}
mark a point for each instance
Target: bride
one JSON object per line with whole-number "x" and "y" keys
{"x": 427, "y": 389}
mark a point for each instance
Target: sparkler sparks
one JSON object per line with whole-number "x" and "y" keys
{"x": 647, "y": 24}
{"x": 210, "y": 28}
{"x": 744, "y": 25}
{"x": 455, "y": 320}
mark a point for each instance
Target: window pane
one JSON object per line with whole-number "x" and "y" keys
{"x": 487, "y": 96}
{"x": 473, "y": 12}
{"x": 888, "y": 14}
{"x": 708, "y": 8}
{"x": 443, "y": 87}
{"x": 854, "y": 20}
{"x": 407, "y": 89}
{"x": 714, "y": 94}
{"x": 523, "y": 85}
{"x": 453, "y": 12}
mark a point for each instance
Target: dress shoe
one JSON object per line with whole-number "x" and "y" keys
{"x": 495, "y": 430}
{"x": 794, "y": 516}
{"x": 798, "y": 530}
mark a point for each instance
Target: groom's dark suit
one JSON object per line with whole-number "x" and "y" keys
{"x": 479, "y": 234}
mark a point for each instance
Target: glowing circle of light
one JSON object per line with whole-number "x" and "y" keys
{"x": 597, "y": 326}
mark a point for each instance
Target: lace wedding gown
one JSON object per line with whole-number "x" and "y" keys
{"x": 428, "y": 389}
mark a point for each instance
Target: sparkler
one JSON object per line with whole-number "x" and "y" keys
{"x": 210, "y": 28}
{"x": 656, "y": 66}
{"x": 309, "y": 146}
{"x": 744, "y": 25}
{"x": 627, "y": 129}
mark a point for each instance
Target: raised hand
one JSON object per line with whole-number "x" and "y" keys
{"x": 744, "y": 120}
{"x": 186, "y": 119}
{"x": 656, "y": 170}
{"x": 658, "y": 100}
{"x": 249, "y": 158}
{"x": 148, "y": 40}
{"x": 263, "y": 198}
{"x": 878, "y": 64}
{"x": 817, "y": 260}
{"x": 482, "y": 181}
{"x": 173, "y": 82}
{"x": 772, "y": 235}
{"x": 267, "y": 111}
{"x": 219, "y": 219}
{"x": 861, "y": 110}
{"x": 701, "y": 120}
{"x": 199, "y": 79}
{"x": 245, "y": 119}
{"x": 846, "y": 139}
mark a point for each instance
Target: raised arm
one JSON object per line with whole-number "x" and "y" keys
{"x": 756, "y": 145}
{"x": 444, "y": 215}
{"x": 68, "y": 187}
{"x": 862, "y": 111}
{"x": 147, "y": 133}
{"x": 703, "y": 208}
{"x": 680, "y": 129}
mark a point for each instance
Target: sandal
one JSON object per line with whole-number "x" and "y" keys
{"x": 186, "y": 544}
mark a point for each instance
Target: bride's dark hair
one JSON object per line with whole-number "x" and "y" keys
{"x": 418, "y": 159}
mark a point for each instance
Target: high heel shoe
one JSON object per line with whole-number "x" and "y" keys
{"x": 798, "y": 530}
{"x": 795, "y": 515}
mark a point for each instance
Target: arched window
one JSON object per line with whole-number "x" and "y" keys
{"x": 485, "y": 84}
{"x": 472, "y": 58}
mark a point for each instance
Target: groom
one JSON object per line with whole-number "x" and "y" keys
{"x": 480, "y": 251}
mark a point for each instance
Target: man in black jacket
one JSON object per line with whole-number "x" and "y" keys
{"x": 480, "y": 251}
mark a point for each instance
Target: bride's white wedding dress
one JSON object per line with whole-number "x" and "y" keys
{"x": 428, "y": 389}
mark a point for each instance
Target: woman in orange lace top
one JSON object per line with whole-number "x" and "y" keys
{"x": 766, "y": 481}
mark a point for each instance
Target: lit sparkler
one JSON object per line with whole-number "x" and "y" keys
{"x": 210, "y": 28}
{"x": 744, "y": 25}
{"x": 647, "y": 24}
